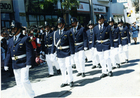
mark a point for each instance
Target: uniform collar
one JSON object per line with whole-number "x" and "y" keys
{"x": 61, "y": 30}
{"x": 47, "y": 33}
{"x": 17, "y": 36}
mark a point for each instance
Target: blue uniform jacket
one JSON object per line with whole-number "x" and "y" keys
{"x": 125, "y": 33}
{"x": 116, "y": 35}
{"x": 101, "y": 35}
{"x": 48, "y": 40}
{"x": 90, "y": 36}
{"x": 66, "y": 40}
{"x": 80, "y": 36}
{"x": 22, "y": 46}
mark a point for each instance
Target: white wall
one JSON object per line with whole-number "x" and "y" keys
{"x": 101, "y": 3}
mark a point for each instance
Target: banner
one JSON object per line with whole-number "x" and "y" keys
{"x": 130, "y": 16}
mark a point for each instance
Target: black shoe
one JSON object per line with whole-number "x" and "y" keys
{"x": 83, "y": 74}
{"x": 110, "y": 74}
{"x": 79, "y": 74}
{"x": 126, "y": 60}
{"x": 49, "y": 76}
{"x": 86, "y": 60}
{"x": 58, "y": 72}
{"x": 74, "y": 66}
{"x": 71, "y": 84}
{"x": 63, "y": 85}
{"x": 99, "y": 66}
{"x": 113, "y": 67}
{"x": 93, "y": 67}
{"x": 118, "y": 65}
{"x": 103, "y": 75}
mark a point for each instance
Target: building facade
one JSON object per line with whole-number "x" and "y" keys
{"x": 32, "y": 12}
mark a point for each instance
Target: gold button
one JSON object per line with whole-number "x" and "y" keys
{"x": 75, "y": 38}
{"x": 75, "y": 41}
{"x": 14, "y": 55}
{"x": 14, "y": 46}
{"x": 13, "y": 50}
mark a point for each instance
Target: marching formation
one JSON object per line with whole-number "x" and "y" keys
{"x": 67, "y": 48}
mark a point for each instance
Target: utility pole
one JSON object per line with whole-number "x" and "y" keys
{"x": 91, "y": 10}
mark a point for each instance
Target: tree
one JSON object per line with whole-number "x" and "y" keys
{"x": 67, "y": 7}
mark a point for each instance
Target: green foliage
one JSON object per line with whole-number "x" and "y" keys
{"x": 68, "y": 4}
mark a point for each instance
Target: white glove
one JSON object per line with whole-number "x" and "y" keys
{"x": 120, "y": 46}
{"x": 112, "y": 48}
{"x": 85, "y": 48}
{"x": 6, "y": 68}
{"x": 28, "y": 66}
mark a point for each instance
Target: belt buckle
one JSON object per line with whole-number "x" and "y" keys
{"x": 75, "y": 44}
{"x": 47, "y": 45}
{"x": 101, "y": 41}
{"x": 15, "y": 58}
{"x": 60, "y": 48}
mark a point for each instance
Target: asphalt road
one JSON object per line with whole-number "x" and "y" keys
{"x": 124, "y": 83}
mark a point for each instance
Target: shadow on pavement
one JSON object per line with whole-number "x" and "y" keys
{"x": 136, "y": 60}
{"x": 55, "y": 94}
{"x": 122, "y": 72}
{"x": 93, "y": 72}
{"x": 88, "y": 64}
{"x": 83, "y": 82}
{"x": 128, "y": 65}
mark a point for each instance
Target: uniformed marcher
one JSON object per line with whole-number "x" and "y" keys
{"x": 20, "y": 51}
{"x": 64, "y": 44}
{"x": 92, "y": 51}
{"x": 125, "y": 39}
{"x": 80, "y": 41}
{"x": 103, "y": 42}
{"x": 48, "y": 41}
{"x": 115, "y": 60}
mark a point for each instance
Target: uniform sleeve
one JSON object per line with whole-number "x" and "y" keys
{"x": 119, "y": 36}
{"x": 128, "y": 35}
{"x": 29, "y": 52}
{"x": 71, "y": 42}
{"x": 110, "y": 36}
{"x": 53, "y": 49}
{"x": 85, "y": 38}
{"x": 94, "y": 38}
{"x": 8, "y": 57}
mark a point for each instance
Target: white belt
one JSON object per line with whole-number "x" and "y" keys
{"x": 64, "y": 47}
{"x": 115, "y": 40}
{"x": 18, "y": 57}
{"x": 76, "y": 44}
{"x": 124, "y": 37}
{"x": 102, "y": 41}
{"x": 90, "y": 42}
{"x": 48, "y": 45}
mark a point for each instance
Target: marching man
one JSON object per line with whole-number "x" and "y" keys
{"x": 115, "y": 60}
{"x": 64, "y": 44}
{"x": 80, "y": 40}
{"x": 125, "y": 38}
{"x": 92, "y": 51}
{"x": 103, "y": 42}
{"x": 20, "y": 53}
{"x": 48, "y": 41}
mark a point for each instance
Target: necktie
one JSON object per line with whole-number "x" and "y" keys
{"x": 75, "y": 30}
{"x": 101, "y": 27}
{"x": 15, "y": 39}
{"x": 60, "y": 33}
{"x": 91, "y": 31}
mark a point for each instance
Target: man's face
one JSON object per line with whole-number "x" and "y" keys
{"x": 60, "y": 25}
{"x": 47, "y": 28}
{"x": 90, "y": 26}
{"x": 111, "y": 23}
{"x": 100, "y": 21}
{"x": 14, "y": 30}
{"x": 74, "y": 24}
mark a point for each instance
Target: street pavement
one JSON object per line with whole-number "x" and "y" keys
{"x": 124, "y": 83}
